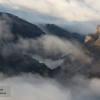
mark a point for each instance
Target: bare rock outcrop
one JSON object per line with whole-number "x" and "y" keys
{"x": 90, "y": 38}
{"x": 97, "y": 30}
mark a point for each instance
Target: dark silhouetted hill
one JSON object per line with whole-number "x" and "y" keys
{"x": 15, "y": 64}
{"x": 23, "y": 28}
{"x": 58, "y": 31}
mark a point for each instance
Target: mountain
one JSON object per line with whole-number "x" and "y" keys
{"x": 60, "y": 32}
{"x": 92, "y": 42}
{"x": 75, "y": 67}
{"x": 72, "y": 68}
{"x": 21, "y": 27}
{"x": 18, "y": 62}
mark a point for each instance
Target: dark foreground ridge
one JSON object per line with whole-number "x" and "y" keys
{"x": 19, "y": 63}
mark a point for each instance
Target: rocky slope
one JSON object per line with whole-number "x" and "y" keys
{"x": 92, "y": 42}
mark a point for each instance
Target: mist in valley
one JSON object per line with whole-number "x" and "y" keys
{"x": 51, "y": 50}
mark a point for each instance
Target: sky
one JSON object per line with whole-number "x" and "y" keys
{"x": 80, "y": 16}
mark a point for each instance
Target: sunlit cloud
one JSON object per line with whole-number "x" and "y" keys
{"x": 67, "y": 9}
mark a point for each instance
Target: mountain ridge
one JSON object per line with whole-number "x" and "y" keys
{"x": 17, "y": 63}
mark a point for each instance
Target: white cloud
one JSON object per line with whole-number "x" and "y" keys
{"x": 1, "y": 1}
{"x": 69, "y": 10}
{"x": 80, "y": 16}
{"x": 52, "y": 64}
{"x": 48, "y": 46}
{"x": 34, "y": 87}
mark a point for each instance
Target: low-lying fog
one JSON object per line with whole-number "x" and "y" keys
{"x": 34, "y": 87}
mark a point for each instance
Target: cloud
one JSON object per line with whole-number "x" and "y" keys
{"x": 49, "y": 47}
{"x": 28, "y": 86}
{"x": 64, "y": 8}
{"x": 54, "y": 46}
{"x": 5, "y": 33}
{"x": 52, "y": 64}
{"x": 74, "y": 15}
